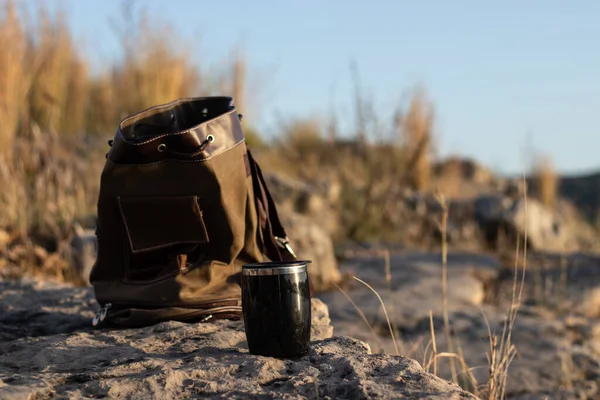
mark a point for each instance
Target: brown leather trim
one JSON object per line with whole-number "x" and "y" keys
{"x": 223, "y": 102}
{"x": 182, "y": 145}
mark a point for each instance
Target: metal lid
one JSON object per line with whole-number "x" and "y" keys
{"x": 275, "y": 268}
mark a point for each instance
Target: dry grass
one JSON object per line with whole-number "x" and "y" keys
{"x": 158, "y": 70}
{"x": 450, "y": 178}
{"x": 44, "y": 75}
{"x": 447, "y": 328}
{"x": 546, "y": 181}
{"x": 416, "y": 129}
{"x": 50, "y": 107}
{"x": 502, "y": 350}
{"x": 13, "y": 77}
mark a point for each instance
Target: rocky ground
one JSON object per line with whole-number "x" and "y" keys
{"x": 48, "y": 350}
{"x": 556, "y": 334}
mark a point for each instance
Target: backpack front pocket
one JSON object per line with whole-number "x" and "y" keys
{"x": 164, "y": 236}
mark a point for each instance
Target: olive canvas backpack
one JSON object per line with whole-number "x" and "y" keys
{"x": 182, "y": 206}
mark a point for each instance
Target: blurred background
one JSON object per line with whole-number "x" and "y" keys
{"x": 373, "y": 108}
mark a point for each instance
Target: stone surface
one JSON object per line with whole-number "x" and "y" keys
{"x": 83, "y": 252}
{"x": 48, "y": 350}
{"x": 546, "y": 229}
{"x": 314, "y": 201}
{"x": 556, "y": 338}
{"x": 309, "y": 241}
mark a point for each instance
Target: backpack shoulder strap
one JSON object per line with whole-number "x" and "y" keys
{"x": 275, "y": 243}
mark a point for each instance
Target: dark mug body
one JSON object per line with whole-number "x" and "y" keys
{"x": 276, "y": 304}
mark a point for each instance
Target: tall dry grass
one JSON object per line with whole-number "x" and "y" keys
{"x": 156, "y": 68}
{"x": 416, "y": 129}
{"x": 545, "y": 180}
{"x": 58, "y": 77}
{"x": 56, "y": 116}
{"x": 45, "y": 75}
{"x": 14, "y": 82}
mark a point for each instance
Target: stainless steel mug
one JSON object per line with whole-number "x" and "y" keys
{"x": 276, "y": 305}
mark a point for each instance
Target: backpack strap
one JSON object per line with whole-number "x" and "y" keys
{"x": 275, "y": 243}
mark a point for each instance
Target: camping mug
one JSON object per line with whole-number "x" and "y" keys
{"x": 276, "y": 304}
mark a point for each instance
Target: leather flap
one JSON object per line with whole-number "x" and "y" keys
{"x": 157, "y": 222}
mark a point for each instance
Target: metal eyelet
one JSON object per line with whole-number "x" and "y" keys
{"x": 210, "y": 138}
{"x": 162, "y": 147}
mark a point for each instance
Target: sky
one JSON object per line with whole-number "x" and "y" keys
{"x": 506, "y": 77}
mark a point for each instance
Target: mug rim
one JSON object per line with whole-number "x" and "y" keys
{"x": 275, "y": 268}
{"x": 276, "y": 264}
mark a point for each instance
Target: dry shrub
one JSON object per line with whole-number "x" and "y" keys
{"x": 13, "y": 76}
{"x": 57, "y": 98}
{"x": 545, "y": 181}
{"x": 239, "y": 83}
{"x": 416, "y": 129}
{"x": 303, "y": 137}
{"x": 50, "y": 165}
{"x": 48, "y": 184}
{"x": 156, "y": 68}
{"x": 450, "y": 177}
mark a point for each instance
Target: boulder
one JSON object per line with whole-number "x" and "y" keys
{"x": 557, "y": 338}
{"x": 83, "y": 250}
{"x": 179, "y": 360}
{"x": 546, "y": 229}
{"x": 311, "y": 242}
{"x": 315, "y": 201}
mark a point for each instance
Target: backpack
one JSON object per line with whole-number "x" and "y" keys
{"x": 182, "y": 206}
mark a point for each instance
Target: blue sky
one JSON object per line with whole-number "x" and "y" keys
{"x": 504, "y": 75}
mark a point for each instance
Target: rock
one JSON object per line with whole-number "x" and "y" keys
{"x": 289, "y": 192}
{"x": 490, "y": 208}
{"x": 546, "y": 230}
{"x": 589, "y": 305}
{"x": 83, "y": 248}
{"x": 558, "y": 343}
{"x": 415, "y": 282}
{"x": 179, "y": 360}
{"x": 466, "y": 169}
{"x": 321, "y": 323}
{"x": 309, "y": 241}
{"x": 313, "y": 201}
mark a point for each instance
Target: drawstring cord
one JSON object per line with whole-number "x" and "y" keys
{"x": 209, "y": 139}
{"x": 163, "y": 147}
